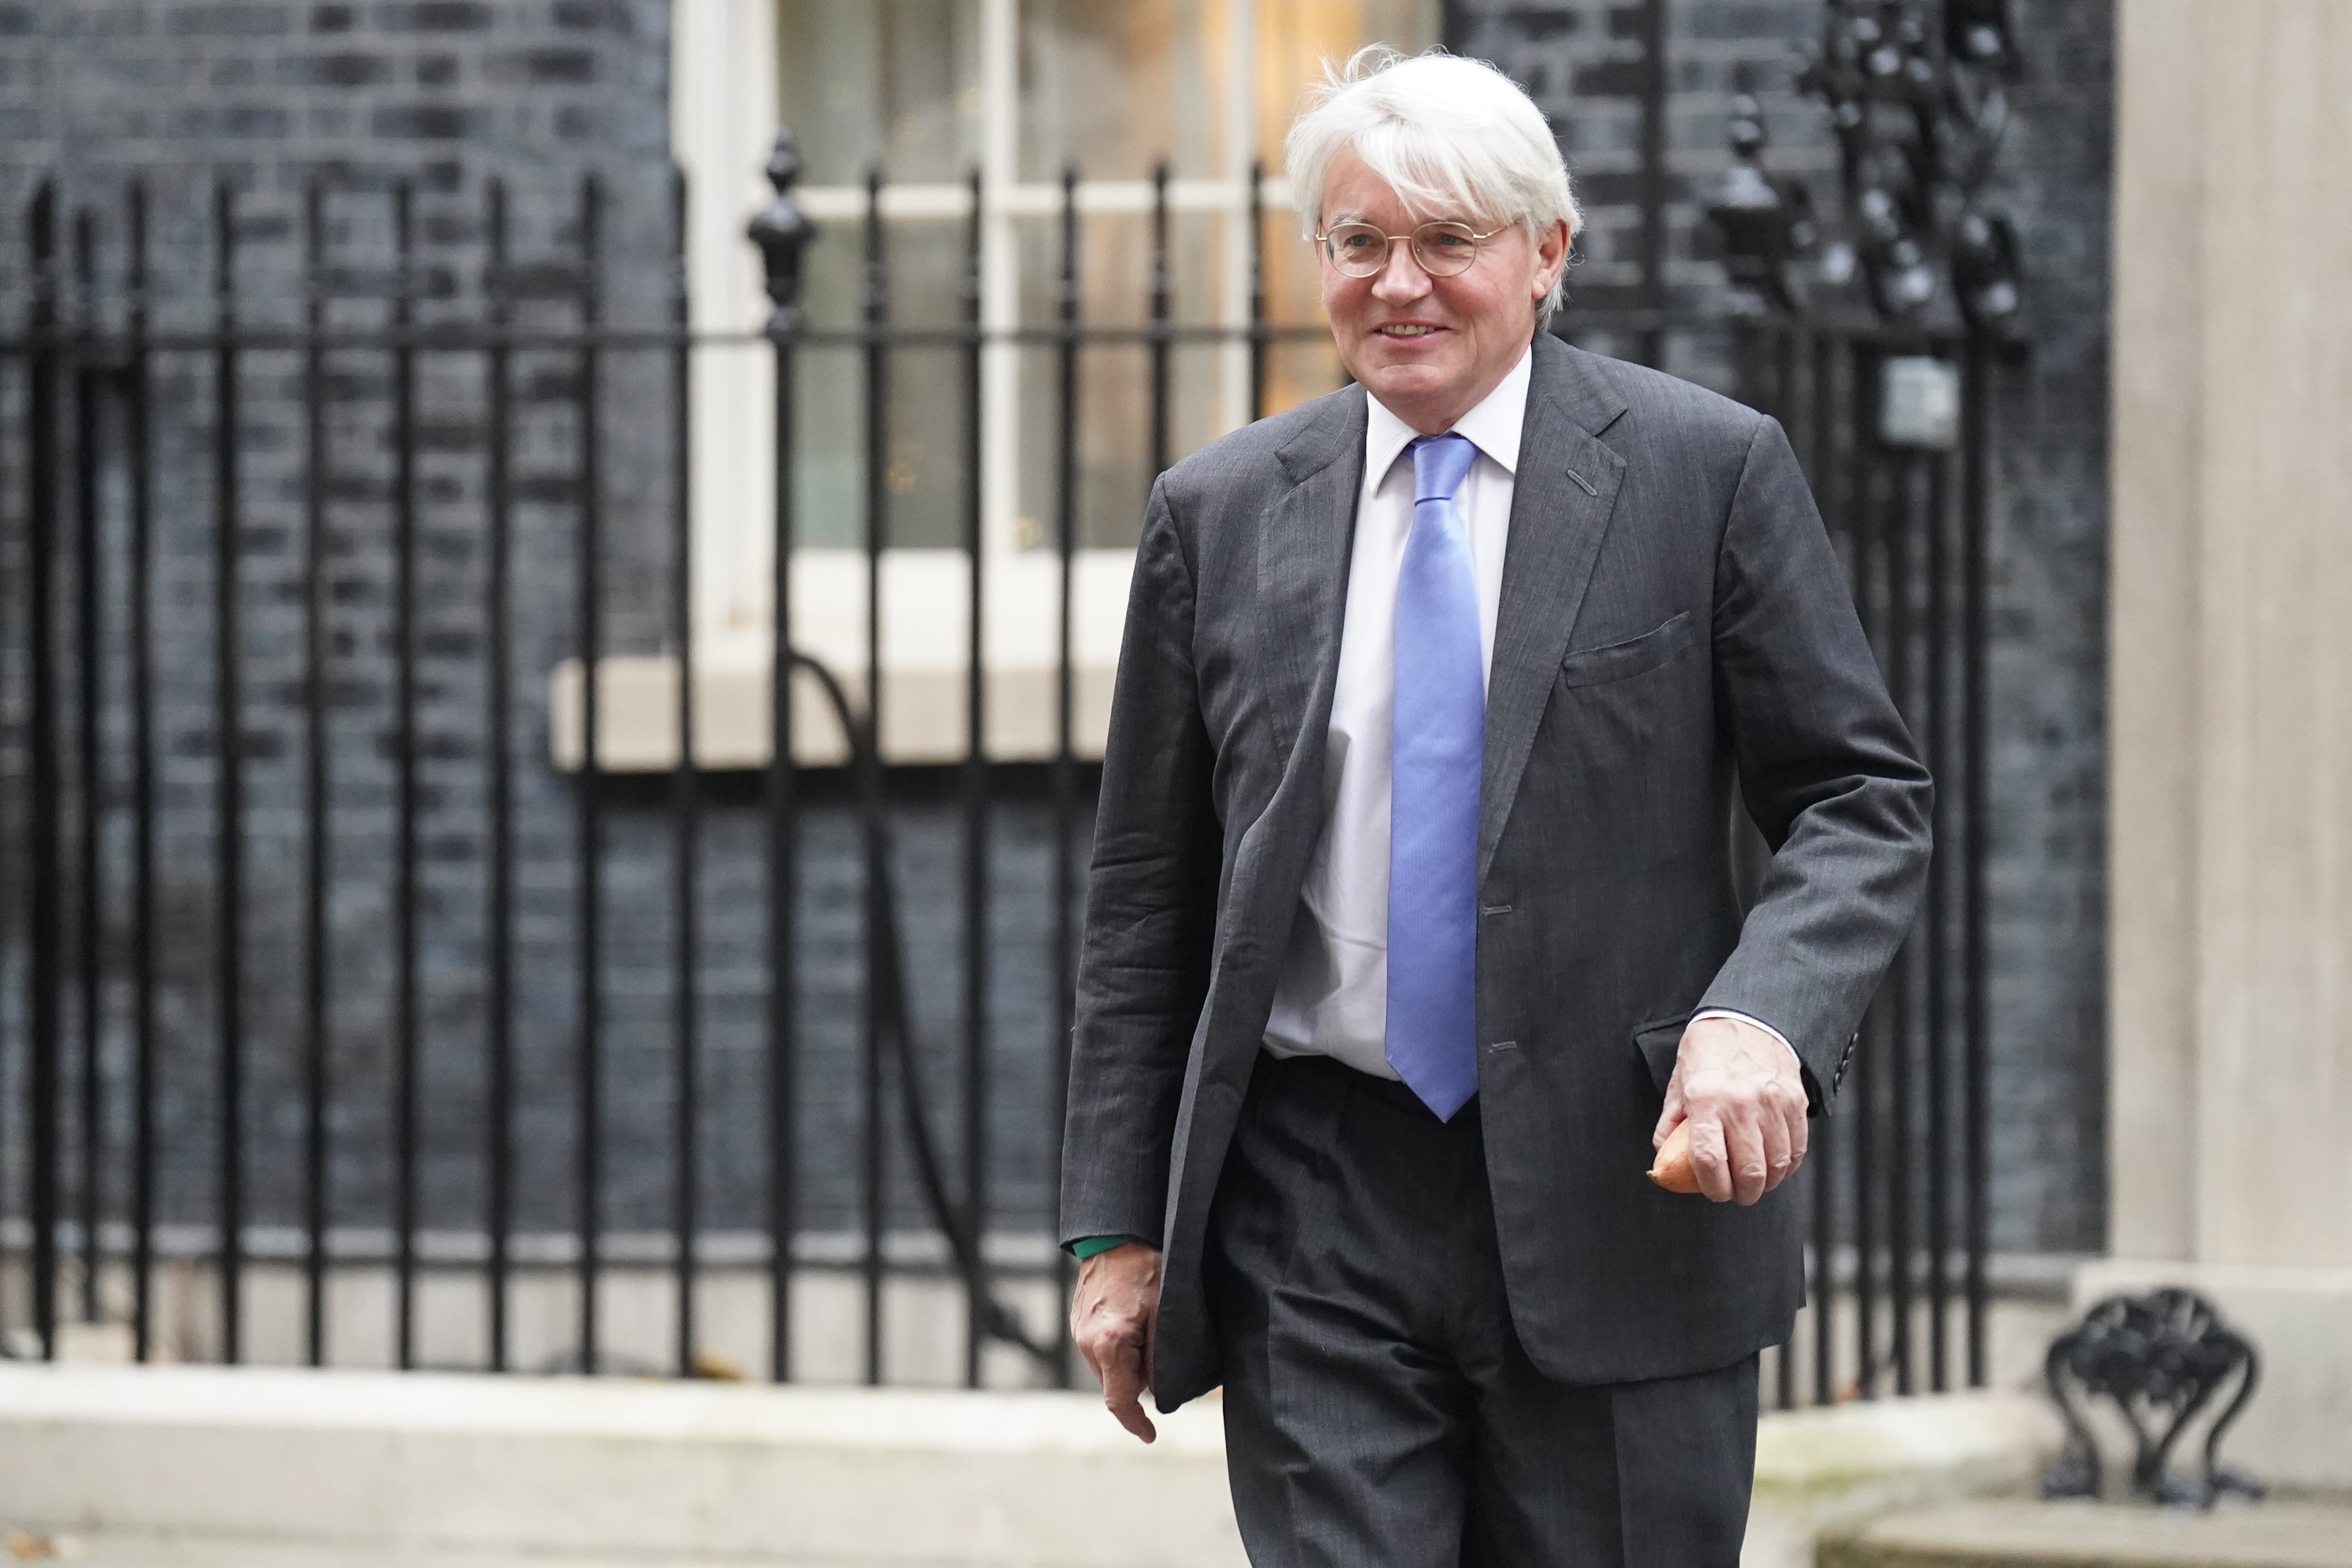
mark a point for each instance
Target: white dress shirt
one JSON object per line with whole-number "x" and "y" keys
{"x": 1332, "y": 996}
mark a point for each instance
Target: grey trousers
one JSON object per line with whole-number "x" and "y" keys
{"x": 1380, "y": 1412}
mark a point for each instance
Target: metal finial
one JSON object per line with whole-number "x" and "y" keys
{"x": 782, "y": 232}
{"x": 1757, "y": 218}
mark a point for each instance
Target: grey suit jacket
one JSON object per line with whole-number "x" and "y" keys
{"x": 1673, "y": 626}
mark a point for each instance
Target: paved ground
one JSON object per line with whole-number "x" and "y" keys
{"x": 2279, "y": 1534}
{"x": 148, "y": 1551}
{"x": 1970, "y": 1535}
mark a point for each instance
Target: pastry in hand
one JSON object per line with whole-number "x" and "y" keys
{"x": 1673, "y": 1170}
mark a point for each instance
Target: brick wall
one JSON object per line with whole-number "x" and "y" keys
{"x": 2048, "y": 659}
{"x": 273, "y": 86}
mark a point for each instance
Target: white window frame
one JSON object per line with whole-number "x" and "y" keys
{"x": 724, "y": 110}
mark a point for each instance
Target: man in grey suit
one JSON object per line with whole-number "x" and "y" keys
{"x": 1412, "y": 926}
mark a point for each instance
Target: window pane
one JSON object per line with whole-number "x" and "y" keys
{"x": 897, "y": 80}
{"x": 1300, "y": 362}
{"x": 1113, "y": 437}
{"x": 1116, "y": 85}
{"x": 923, "y": 476}
{"x": 1112, "y": 441}
{"x": 1296, "y": 36}
{"x": 924, "y": 262}
{"x": 828, "y": 452}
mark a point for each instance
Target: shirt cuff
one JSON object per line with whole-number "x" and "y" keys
{"x": 1086, "y": 1246}
{"x": 1749, "y": 1019}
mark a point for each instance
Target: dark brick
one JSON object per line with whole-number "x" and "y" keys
{"x": 435, "y": 17}
{"x": 16, "y": 21}
{"x": 584, "y": 15}
{"x": 436, "y": 70}
{"x": 344, "y": 68}
{"x": 108, "y": 124}
{"x": 1608, "y": 79}
{"x": 561, "y": 65}
{"x": 428, "y": 121}
{"x": 332, "y": 18}
{"x": 581, "y": 122}
{"x": 1541, "y": 24}
{"x": 547, "y": 490}
{"x": 230, "y": 122}
{"x": 170, "y": 69}
{"x": 230, "y": 21}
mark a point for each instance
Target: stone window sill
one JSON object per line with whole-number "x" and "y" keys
{"x": 926, "y": 599}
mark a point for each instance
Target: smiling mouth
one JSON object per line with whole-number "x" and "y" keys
{"x": 1406, "y": 330}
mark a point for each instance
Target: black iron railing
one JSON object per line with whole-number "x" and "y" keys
{"x": 321, "y": 963}
{"x": 1890, "y": 422}
{"x": 107, "y": 968}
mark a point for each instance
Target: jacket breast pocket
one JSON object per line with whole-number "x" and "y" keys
{"x": 1634, "y": 655}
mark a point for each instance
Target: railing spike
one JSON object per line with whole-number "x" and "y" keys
{"x": 782, "y": 232}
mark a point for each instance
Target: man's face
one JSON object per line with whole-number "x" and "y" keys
{"x": 1430, "y": 348}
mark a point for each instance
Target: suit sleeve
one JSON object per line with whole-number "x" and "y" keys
{"x": 1828, "y": 772}
{"x": 1151, "y": 891}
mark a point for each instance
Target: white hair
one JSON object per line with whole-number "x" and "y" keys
{"x": 1452, "y": 137}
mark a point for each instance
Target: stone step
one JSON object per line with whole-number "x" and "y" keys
{"x": 2018, "y": 1534}
{"x": 208, "y": 1467}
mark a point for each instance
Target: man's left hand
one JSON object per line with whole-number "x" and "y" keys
{"x": 1744, "y": 1097}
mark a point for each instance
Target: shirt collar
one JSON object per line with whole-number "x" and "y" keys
{"x": 1492, "y": 426}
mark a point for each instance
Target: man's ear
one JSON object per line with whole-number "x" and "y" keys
{"x": 1551, "y": 256}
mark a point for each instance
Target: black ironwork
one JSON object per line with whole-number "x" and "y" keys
{"x": 135, "y": 395}
{"x": 2162, "y": 1359}
{"x": 588, "y": 888}
{"x": 1065, "y": 542}
{"x": 1872, "y": 324}
{"x": 686, "y": 816}
{"x": 783, "y": 233}
{"x": 498, "y": 692}
{"x": 43, "y": 825}
{"x": 405, "y": 1023}
{"x": 317, "y": 1086}
{"x": 571, "y": 552}
{"x": 1919, "y": 110}
{"x": 872, "y": 832}
{"x": 89, "y": 573}
{"x": 228, "y": 789}
{"x": 979, "y": 1306}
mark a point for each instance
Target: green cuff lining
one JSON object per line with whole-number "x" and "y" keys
{"x": 1086, "y": 1246}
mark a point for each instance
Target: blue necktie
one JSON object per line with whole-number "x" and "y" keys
{"x": 1435, "y": 748}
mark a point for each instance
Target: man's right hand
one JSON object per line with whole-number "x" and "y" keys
{"x": 1110, "y": 1323}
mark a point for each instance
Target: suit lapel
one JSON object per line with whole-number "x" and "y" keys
{"x": 1561, "y": 500}
{"x": 1304, "y": 543}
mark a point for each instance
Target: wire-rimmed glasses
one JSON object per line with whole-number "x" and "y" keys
{"x": 1444, "y": 249}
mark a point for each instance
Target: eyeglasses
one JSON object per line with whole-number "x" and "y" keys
{"x": 1442, "y": 249}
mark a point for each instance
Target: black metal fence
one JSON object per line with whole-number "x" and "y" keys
{"x": 1892, "y": 425}
{"x": 316, "y": 959}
